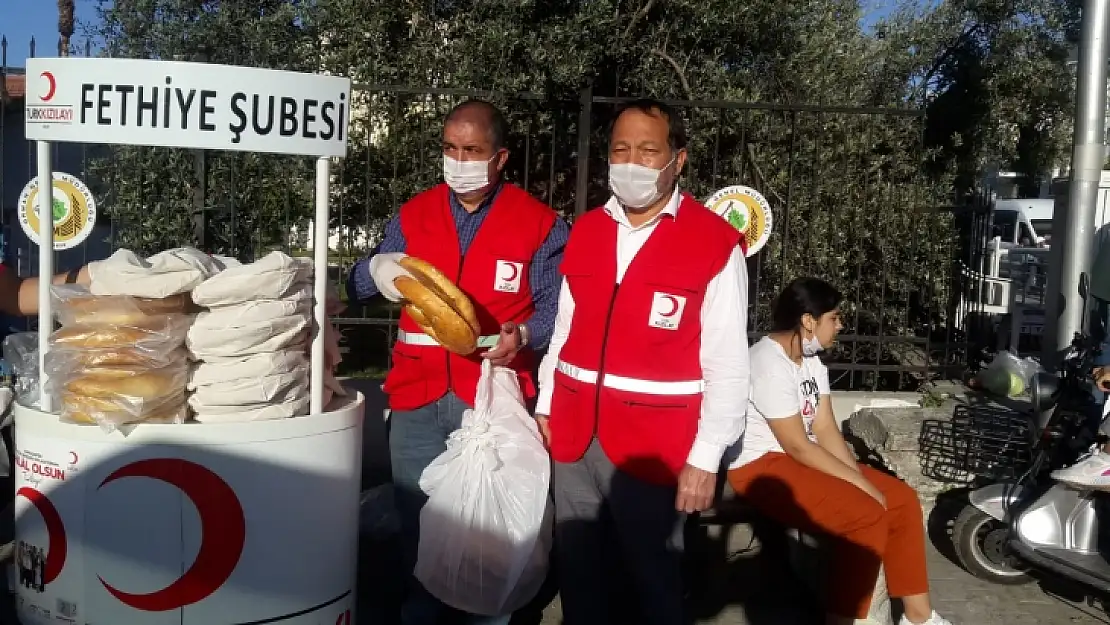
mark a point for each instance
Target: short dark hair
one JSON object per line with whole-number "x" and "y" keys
{"x": 804, "y": 295}
{"x": 498, "y": 127}
{"x": 676, "y": 128}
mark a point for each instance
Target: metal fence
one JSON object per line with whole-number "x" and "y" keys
{"x": 846, "y": 187}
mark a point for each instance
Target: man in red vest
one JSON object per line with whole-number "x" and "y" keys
{"x": 645, "y": 383}
{"x": 503, "y": 248}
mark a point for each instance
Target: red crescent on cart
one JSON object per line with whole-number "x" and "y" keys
{"x": 223, "y": 532}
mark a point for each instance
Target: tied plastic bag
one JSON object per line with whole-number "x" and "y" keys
{"x": 485, "y": 533}
{"x": 166, "y": 273}
{"x": 274, "y": 276}
{"x": 257, "y": 338}
{"x": 1007, "y": 375}
{"x": 21, "y": 352}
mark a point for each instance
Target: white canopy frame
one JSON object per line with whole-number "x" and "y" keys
{"x": 87, "y": 100}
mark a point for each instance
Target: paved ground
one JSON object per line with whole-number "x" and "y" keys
{"x": 756, "y": 587}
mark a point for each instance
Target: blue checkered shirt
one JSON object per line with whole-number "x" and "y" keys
{"x": 543, "y": 276}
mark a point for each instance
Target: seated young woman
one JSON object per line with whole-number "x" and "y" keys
{"x": 795, "y": 467}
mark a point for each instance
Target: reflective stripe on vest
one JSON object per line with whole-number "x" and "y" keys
{"x": 423, "y": 340}
{"x": 632, "y": 385}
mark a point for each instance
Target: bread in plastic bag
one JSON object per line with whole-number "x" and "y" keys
{"x": 75, "y": 304}
{"x": 166, "y": 273}
{"x": 67, "y": 361}
{"x": 216, "y": 370}
{"x": 257, "y": 338}
{"x": 485, "y": 532}
{"x": 131, "y": 386}
{"x": 274, "y": 276}
{"x": 110, "y": 413}
{"x": 158, "y": 333}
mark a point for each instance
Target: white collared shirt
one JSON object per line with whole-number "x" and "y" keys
{"x": 724, "y": 340}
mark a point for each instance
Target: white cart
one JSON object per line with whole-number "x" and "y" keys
{"x": 197, "y": 524}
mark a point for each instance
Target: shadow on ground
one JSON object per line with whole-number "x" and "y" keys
{"x": 727, "y": 565}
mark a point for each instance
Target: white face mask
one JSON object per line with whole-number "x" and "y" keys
{"x": 466, "y": 176}
{"x": 811, "y": 346}
{"x": 635, "y": 186}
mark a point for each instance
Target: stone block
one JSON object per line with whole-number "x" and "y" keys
{"x": 892, "y": 429}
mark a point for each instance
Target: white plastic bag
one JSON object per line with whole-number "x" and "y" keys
{"x": 485, "y": 533}
{"x": 1008, "y": 375}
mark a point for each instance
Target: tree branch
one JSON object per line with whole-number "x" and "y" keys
{"x": 677, "y": 70}
{"x": 639, "y": 15}
{"x": 753, "y": 159}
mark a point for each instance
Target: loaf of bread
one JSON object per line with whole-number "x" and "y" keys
{"x": 135, "y": 385}
{"x": 120, "y": 309}
{"x": 441, "y": 310}
{"x": 161, "y": 332}
{"x": 96, "y": 410}
{"x": 69, "y": 361}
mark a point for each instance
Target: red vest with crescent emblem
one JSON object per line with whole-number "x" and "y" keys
{"x": 630, "y": 371}
{"x": 493, "y": 273}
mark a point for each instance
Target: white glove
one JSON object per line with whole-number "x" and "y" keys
{"x": 384, "y": 269}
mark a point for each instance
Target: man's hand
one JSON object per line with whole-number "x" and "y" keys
{"x": 1101, "y": 376}
{"x": 695, "y": 490}
{"x": 542, "y": 421}
{"x": 384, "y": 269}
{"x": 508, "y": 344}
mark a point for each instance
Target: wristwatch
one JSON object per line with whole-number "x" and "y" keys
{"x": 524, "y": 334}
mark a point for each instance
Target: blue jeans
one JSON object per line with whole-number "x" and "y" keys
{"x": 416, "y": 438}
{"x": 1100, "y": 327}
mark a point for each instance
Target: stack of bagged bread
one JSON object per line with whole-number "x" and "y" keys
{"x": 119, "y": 356}
{"x": 251, "y": 341}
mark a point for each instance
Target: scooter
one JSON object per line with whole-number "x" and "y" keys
{"x": 1014, "y": 526}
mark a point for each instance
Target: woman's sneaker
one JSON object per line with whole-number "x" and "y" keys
{"x": 934, "y": 619}
{"x": 1090, "y": 472}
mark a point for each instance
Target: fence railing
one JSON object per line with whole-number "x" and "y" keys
{"x": 846, "y": 186}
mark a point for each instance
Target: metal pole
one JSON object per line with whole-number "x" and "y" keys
{"x": 585, "y": 120}
{"x": 1072, "y": 249}
{"x": 200, "y": 201}
{"x": 320, "y": 277}
{"x": 46, "y": 264}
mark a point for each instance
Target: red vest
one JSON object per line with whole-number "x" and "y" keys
{"x": 494, "y": 274}
{"x": 640, "y": 338}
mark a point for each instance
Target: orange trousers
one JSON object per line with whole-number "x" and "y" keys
{"x": 864, "y": 534}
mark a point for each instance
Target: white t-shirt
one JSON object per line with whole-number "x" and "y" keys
{"x": 779, "y": 389}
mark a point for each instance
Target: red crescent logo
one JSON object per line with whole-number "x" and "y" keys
{"x": 52, "y": 88}
{"x": 55, "y": 533}
{"x": 73, "y": 457}
{"x": 223, "y": 531}
{"x": 514, "y": 272}
{"x": 674, "y": 305}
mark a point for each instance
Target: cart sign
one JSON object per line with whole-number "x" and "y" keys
{"x": 747, "y": 210}
{"x": 74, "y": 211}
{"x": 186, "y": 105}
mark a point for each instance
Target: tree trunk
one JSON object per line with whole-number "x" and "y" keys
{"x": 65, "y": 25}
